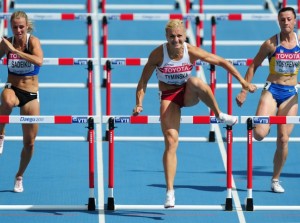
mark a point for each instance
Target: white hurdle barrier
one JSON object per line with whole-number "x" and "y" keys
{"x": 125, "y": 119}
{"x": 61, "y": 119}
{"x": 50, "y": 138}
{"x": 151, "y": 16}
{"x": 171, "y": 7}
{"x": 139, "y": 7}
{"x": 143, "y": 61}
{"x": 57, "y": 85}
{"x": 42, "y": 119}
{"x": 43, "y": 207}
{"x": 75, "y": 119}
{"x": 58, "y": 119}
{"x": 155, "y": 85}
{"x": 50, "y": 6}
{"x": 158, "y": 42}
{"x": 272, "y": 119}
{"x": 63, "y": 61}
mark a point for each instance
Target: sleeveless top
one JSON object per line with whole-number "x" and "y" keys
{"x": 19, "y": 66}
{"x": 285, "y": 61}
{"x": 174, "y": 72}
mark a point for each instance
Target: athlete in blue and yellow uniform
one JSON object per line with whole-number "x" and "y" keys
{"x": 279, "y": 95}
{"x": 24, "y": 58}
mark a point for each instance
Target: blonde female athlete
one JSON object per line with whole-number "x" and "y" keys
{"x": 279, "y": 96}
{"x": 173, "y": 62}
{"x": 24, "y": 58}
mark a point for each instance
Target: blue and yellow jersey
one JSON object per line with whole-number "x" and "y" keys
{"x": 285, "y": 61}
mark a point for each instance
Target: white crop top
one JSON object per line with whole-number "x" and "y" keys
{"x": 174, "y": 72}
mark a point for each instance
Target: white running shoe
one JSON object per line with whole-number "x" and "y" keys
{"x": 276, "y": 187}
{"x": 170, "y": 199}
{"x": 1, "y": 143}
{"x": 227, "y": 119}
{"x": 19, "y": 185}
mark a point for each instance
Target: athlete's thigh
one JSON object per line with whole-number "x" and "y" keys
{"x": 31, "y": 108}
{"x": 30, "y": 130}
{"x": 169, "y": 115}
{"x": 288, "y": 108}
{"x": 267, "y": 106}
{"x": 191, "y": 94}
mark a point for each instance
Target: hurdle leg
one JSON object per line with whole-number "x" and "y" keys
{"x": 228, "y": 204}
{"x": 110, "y": 200}
{"x": 108, "y": 88}
{"x": 249, "y": 202}
{"x": 91, "y": 134}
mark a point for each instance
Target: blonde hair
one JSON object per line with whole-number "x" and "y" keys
{"x": 175, "y": 23}
{"x": 22, "y": 14}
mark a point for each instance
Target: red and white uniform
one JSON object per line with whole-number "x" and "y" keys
{"x": 174, "y": 72}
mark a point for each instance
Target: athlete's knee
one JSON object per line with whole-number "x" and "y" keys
{"x": 260, "y": 133}
{"x": 283, "y": 139}
{"x": 29, "y": 145}
{"x": 171, "y": 138}
{"x": 7, "y": 104}
{"x": 258, "y": 137}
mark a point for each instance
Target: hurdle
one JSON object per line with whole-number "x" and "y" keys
{"x": 70, "y": 62}
{"x": 63, "y": 17}
{"x": 15, "y": 5}
{"x": 188, "y": 4}
{"x": 201, "y": 5}
{"x": 250, "y": 121}
{"x": 109, "y": 62}
{"x": 112, "y": 120}
{"x": 61, "y": 119}
{"x": 103, "y": 6}
{"x": 90, "y": 62}
{"x": 198, "y": 18}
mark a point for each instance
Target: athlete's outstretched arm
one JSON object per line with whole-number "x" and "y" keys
{"x": 198, "y": 53}
{"x": 266, "y": 49}
{"x": 146, "y": 74}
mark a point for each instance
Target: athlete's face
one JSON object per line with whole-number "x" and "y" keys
{"x": 176, "y": 37}
{"x": 19, "y": 27}
{"x": 287, "y": 21}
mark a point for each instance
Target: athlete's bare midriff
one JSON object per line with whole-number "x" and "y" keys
{"x": 283, "y": 79}
{"x": 27, "y": 83}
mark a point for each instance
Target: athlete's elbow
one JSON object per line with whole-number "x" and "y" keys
{"x": 39, "y": 62}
